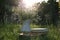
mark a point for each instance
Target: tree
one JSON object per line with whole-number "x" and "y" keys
{"x": 54, "y": 11}
{"x": 4, "y": 10}
{"x": 41, "y": 13}
{"x": 48, "y": 11}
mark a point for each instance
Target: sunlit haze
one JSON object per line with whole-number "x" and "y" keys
{"x": 29, "y": 3}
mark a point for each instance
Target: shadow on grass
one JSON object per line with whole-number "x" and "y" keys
{"x": 45, "y": 37}
{"x": 42, "y": 37}
{"x": 24, "y": 38}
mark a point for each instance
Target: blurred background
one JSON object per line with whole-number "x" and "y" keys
{"x": 43, "y": 13}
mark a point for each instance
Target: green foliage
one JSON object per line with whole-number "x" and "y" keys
{"x": 6, "y": 9}
{"x": 53, "y": 34}
{"x": 48, "y": 13}
{"x": 9, "y": 32}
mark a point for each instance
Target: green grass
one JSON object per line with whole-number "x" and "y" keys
{"x": 11, "y": 32}
{"x": 53, "y": 34}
